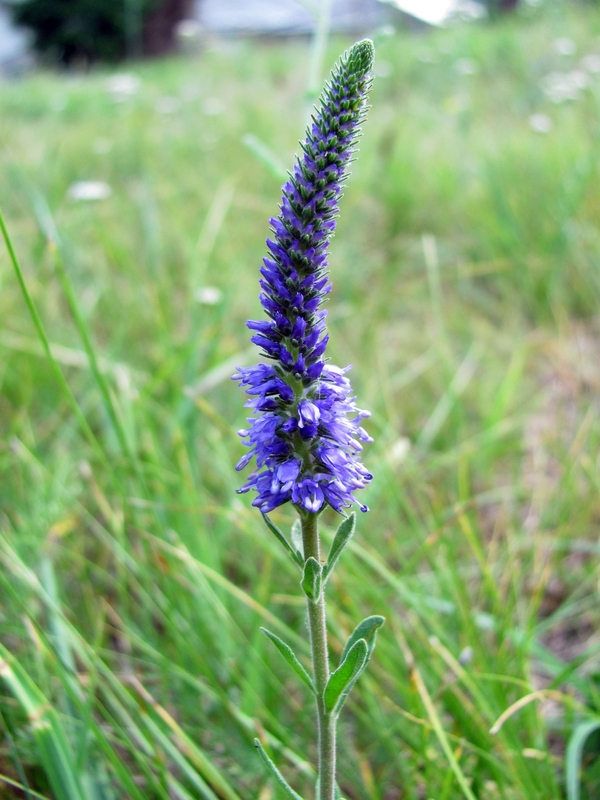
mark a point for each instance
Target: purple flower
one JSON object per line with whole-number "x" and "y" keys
{"x": 305, "y": 432}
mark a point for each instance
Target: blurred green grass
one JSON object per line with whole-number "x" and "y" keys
{"x": 466, "y": 294}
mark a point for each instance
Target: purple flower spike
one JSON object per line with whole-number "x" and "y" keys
{"x": 305, "y": 431}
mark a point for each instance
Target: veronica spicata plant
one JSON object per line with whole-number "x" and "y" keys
{"x": 305, "y": 430}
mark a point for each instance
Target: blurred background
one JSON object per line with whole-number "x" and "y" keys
{"x": 143, "y": 145}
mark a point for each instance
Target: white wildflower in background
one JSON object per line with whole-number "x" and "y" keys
{"x": 564, "y": 46}
{"x": 383, "y": 69}
{"x": 466, "y": 11}
{"x": 58, "y": 103}
{"x": 101, "y": 147}
{"x": 398, "y": 451}
{"x": 123, "y": 86}
{"x": 190, "y": 91}
{"x": 456, "y": 104}
{"x": 208, "y": 295}
{"x": 386, "y": 30}
{"x": 89, "y": 190}
{"x": 562, "y": 86}
{"x": 484, "y": 621}
{"x": 579, "y": 78}
{"x": 590, "y": 63}
{"x": 168, "y": 104}
{"x": 540, "y": 123}
{"x": 426, "y": 57}
{"x": 213, "y": 106}
{"x": 188, "y": 30}
{"x": 124, "y": 383}
{"x": 466, "y": 66}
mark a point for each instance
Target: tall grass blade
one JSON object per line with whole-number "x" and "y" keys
{"x": 46, "y": 344}
{"x": 574, "y": 756}
{"x": 27, "y": 791}
{"x": 52, "y": 743}
{"x": 50, "y": 231}
{"x": 434, "y": 719}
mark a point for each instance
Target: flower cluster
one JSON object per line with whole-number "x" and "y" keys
{"x": 305, "y": 432}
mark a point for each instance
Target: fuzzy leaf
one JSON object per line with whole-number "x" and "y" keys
{"x": 275, "y": 772}
{"x": 279, "y": 535}
{"x": 366, "y": 630}
{"x": 342, "y": 537}
{"x": 312, "y": 579}
{"x": 297, "y": 542}
{"x": 343, "y": 679}
{"x": 289, "y": 655}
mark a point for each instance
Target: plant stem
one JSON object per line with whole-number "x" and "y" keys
{"x": 318, "y": 642}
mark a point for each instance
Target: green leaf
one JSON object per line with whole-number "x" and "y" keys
{"x": 297, "y": 542}
{"x": 342, "y": 537}
{"x": 312, "y": 579}
{"x": 575, "y": 754}
{"x": 279, "y": 535}
{"x": 366, "y": 630}
{"x": 289, "y": 655}
{"x": 343, "y": 679}
{"x": 275, "y": 772}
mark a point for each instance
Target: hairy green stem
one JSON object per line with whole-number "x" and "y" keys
{"x": 318, "y": 642}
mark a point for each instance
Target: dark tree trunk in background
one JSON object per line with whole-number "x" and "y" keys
{"x": 84, "y": 31}
{"x": 160, "y": 26}
{"x": 497, "y": 8}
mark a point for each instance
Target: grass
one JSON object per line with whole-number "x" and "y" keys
{"x": 466, "y": 295}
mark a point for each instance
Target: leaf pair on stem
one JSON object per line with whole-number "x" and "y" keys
{"x": 295, "y": 549}
{"x": 357, "y": 650}
{"x": 355, "y": 656}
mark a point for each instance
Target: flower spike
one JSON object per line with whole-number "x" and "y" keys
{"x": 305, "y": 432}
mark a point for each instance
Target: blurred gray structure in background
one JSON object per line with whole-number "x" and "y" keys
{"x": 291, "y": 17}
{"x": 14, "y": 44}
{"x": 241, "y": 17}
{"x": 298, "y": 17}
